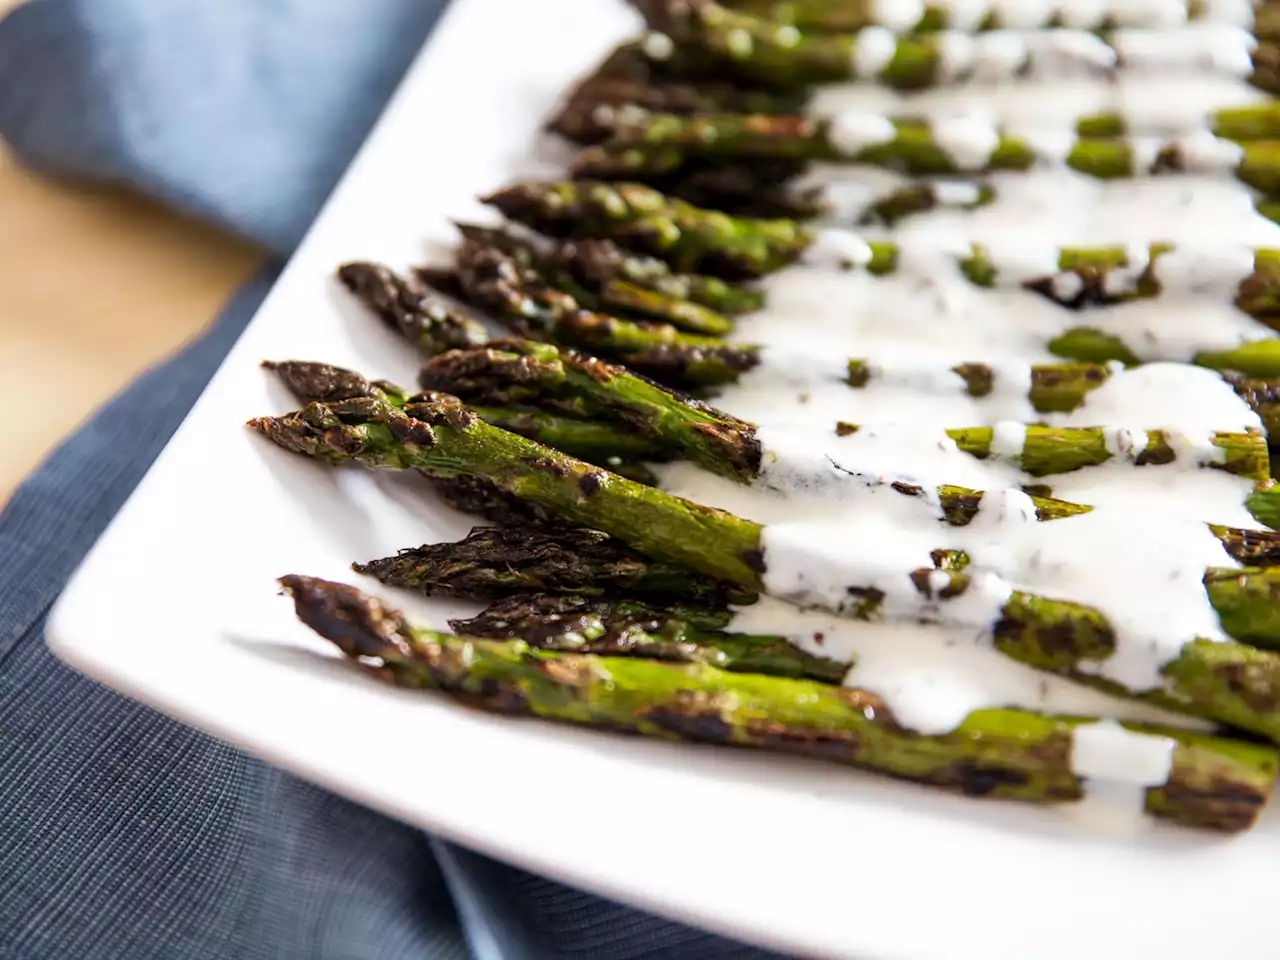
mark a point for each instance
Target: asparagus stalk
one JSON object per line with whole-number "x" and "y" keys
{"x": 782, "y": 55}
{"x": 588, "y": 113}
{"x": 1214, "y": 783}
{"x": 604, "y": 444}
{"x": 846, "y": 16}
{"x": 569, "y": 268}
{"x": 655, "y": 143}
{"x": 517, "y": 296}
{"x": 690, "y": 238}
{"x": 727, "y": 445}
{"x": 616, "y": 628}
{"x": 404, "y": 305}
{"x": 744, "y": 188}
{"x": 496, "y": 562}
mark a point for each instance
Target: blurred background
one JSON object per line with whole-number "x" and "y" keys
{"x": 95, "y": 285}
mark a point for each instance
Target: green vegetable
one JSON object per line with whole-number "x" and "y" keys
{"x": 1214, "y": 783}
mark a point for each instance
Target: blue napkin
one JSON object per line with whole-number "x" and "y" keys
{"x": 124, "y": 834}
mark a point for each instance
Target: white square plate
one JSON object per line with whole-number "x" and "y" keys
{"x": 796, "y": 855}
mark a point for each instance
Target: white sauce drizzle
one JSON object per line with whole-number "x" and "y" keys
{"x": 873, "y": 51}
{"x": 833, "y": 517}
{"x": 900, "y": 16}
{"x": 1109, "y": 751}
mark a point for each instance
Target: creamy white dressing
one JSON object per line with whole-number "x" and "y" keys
{"x": 1149, "y": 101}
{"x": 852, "y": 518}
{"x": 932, "y": 679}
{"x": 969, "y": 15}
{"x": 1109, "y": 751}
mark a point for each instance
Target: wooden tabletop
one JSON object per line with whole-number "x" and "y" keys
{"x": 96, "y": 285}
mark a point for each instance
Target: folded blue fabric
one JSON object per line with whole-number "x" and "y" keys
{"x": 124, "y": 834}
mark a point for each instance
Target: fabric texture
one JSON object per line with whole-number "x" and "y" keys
{"x": 124, "y": 834}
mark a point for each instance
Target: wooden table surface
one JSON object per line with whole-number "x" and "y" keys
{"x": 95, "y": 285}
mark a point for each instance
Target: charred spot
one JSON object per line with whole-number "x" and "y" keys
{"x": 498, "y": 697}
{"x": 692, "y": 716}
{"x": 1253, "y": 683}
{"x": 343, "y": 441}
{"x": 1252, "y": 548}
{"x": 1057, "y": 639}
{"x": 414, "y": 432}
{"x": 1156, "y": 454}
{"x": 589, "y": 483}
{"x": 959, "y": 509}
{"x": 738, "y": 444}
{"x": 871, "y": 595}
{"x": 845, "y": 429}
{"x": 1224, "y": 805}
{"x": 1259, "y": 295}
{"x": 1266, "y": 66}
{"x": 978, "y": 780}
{"x": 754, "y": 559}
{"x": 553, "y": 465}
{"x": 979, "y": 378}
{"x": 908, "y": 489}
{"x": 1169, "y": 160}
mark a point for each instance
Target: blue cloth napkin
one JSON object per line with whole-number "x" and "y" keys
{"x": 124, "y": 834}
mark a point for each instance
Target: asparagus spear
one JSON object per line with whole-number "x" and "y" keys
{"x": 517, "y": 296}
{"x": 690, "y": 238}
{"x": 783, "y": 55}
{"x": 744, "y": 188}
{"x": 1214, "y": 783}
{"x": 600, "y": 443}
{"x": 846, "y": 16}
{"x": 599, "y": 263}
{"x": 647, "y": 143}
{"x": 727, "y": 445}
{"x": 495, "y": 562}
{"x": 588, "y": 113}
{"x": 628, "y": 629}
{"x": 403, "y": 304}
{"x": 591, "y": 285}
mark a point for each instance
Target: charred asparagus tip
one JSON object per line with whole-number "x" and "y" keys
{"x": 358, "y": 624}
{"x": 320, "y": 382}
